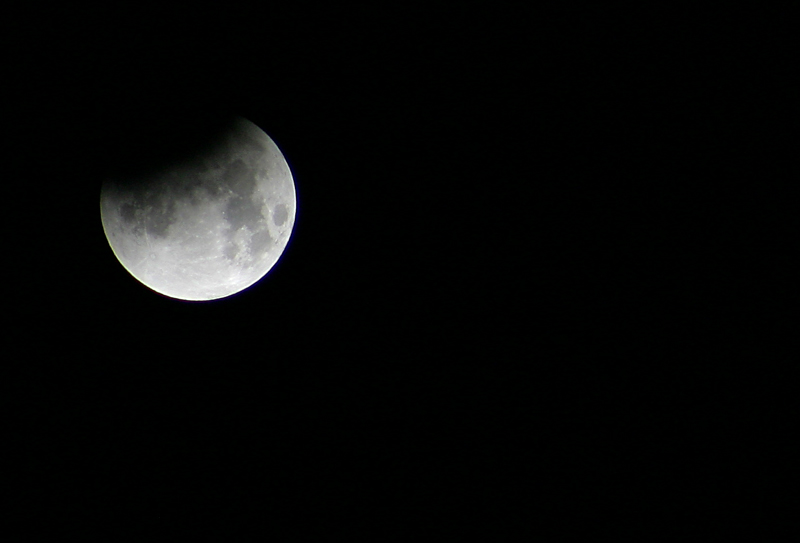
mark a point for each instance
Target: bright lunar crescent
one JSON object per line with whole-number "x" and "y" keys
{"x": 207, "y": 224}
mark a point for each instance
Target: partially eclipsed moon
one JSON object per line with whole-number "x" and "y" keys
{"x": 208, "y": 224}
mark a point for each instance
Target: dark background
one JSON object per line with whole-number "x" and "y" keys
{"x": 512, "y": 247}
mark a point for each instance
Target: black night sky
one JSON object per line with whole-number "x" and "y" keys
{"x": 490, "y": 240}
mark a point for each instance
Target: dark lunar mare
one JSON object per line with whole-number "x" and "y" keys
{"x": 241, "y": 209}
{"x": 280, "y": 215}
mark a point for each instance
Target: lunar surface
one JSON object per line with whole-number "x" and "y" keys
{"x": 207, "y": 224}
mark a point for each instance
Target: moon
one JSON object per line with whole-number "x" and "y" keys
{"x": 209, "y": 221}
